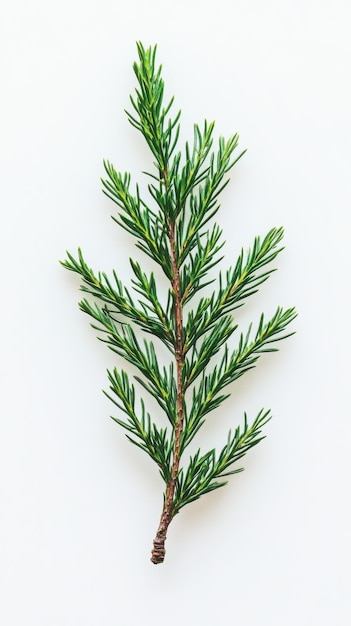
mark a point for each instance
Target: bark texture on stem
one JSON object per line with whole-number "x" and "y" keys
{"x": 158, "y": 552}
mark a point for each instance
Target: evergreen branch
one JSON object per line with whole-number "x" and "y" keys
{"x": 192, "y": 174}
{"x": 210, "y": 345}
{"x": 203, "y": 202}
{"x": 203, "y": 472}
{"x": 175, "y": 233}
{"x": 200, "y": 263}
{"x": 123, "y": 342}
{"x": 118, "y": 298}
{"x": 137, "y": 218}
{"x": 209, "y": 395}
{"x": 161, "y": 133}
{"x": 147, "y": 288}
{"x": 241, "y": 281}
{"x": 153, "y": 441}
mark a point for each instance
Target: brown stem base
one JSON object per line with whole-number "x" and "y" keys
{"x": 158, "y": 551}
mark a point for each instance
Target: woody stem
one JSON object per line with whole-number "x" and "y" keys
{"x": 158, "y": 552}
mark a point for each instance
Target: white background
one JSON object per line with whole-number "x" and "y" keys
{"x": 79, "y": 504}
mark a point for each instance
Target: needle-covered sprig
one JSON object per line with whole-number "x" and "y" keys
{"x": 175, "y": 228}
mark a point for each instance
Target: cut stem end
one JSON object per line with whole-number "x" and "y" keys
{"x": 158, "y": 551}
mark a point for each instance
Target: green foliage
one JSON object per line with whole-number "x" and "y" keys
{"x": 176, "y": 230}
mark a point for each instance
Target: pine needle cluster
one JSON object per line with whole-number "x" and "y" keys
{"x": 176, "y": 230}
